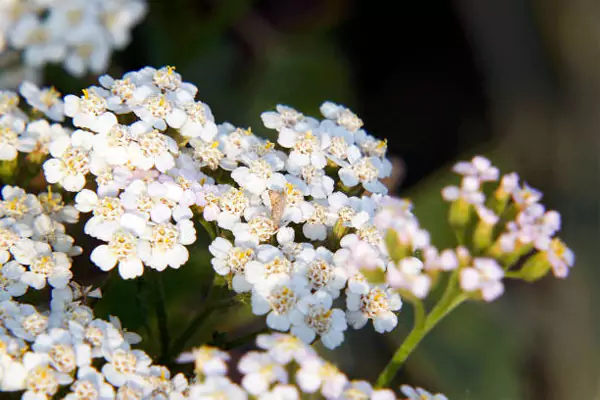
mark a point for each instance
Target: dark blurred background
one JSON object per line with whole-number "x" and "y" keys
{"x": 515, "y": 80}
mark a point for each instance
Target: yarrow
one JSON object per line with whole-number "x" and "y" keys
{"x": 301, "y": 228}
{"x": 79, "y": 34}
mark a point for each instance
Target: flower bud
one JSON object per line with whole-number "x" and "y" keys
{"x": 536, "y": 267}
{"x": 396, "y": 249}
{"x": 8, "y": 169}
{"x": 460, "y": 213}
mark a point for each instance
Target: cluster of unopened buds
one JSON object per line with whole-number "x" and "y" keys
{"x": 302, "y": 227}
{"x": 80, "y": 34}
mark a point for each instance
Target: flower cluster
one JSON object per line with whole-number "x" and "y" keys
{"x": 29, "y": 134}
{"x": 67, "y": 350}
{"x": 81, "y": 34}
{"x": 266, "y": 374}
{"x": 34, "y": 248}
{"x": 510, "y": 225}
{"x": 157, "y": 156}
{"x": 302, "y": 227}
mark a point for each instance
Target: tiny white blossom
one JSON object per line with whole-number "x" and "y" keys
{"x": 485, "y": 276}
{"x": 47, "y": 100}
{"x": 409, "y": 276}
{"x": 420, "y": 394}
{"x": 71, "y": 160}
{"x": 379, "y": 305}
{"x": 260, "y": 371}
{"x": 209, "y": 361}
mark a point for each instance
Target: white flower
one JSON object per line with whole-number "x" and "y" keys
{"x": 103, "y": 337}
{"x": 64, "y": 354}
{"x": 130, "y": 337}
{"x": 447, "y": 260}
{"x": 281, "y": 392}
{"x": 319, "y": 184}
{"x": 306, "y": 148}
{"x": 260, "y": 371}
{"x": 43, "y": 265}
{"x": 371, "y": 146}
{"x": 378, "y": 304}
{"x": 209, "y": 361}
{"x": 357, "y": 254}
{"x": 108, "y": 215}
{"x": 364, "y": 390}
{"x": 486, "y": 215}
{"x": 199, "y": 123}
{"x": 526, "y": 196}
{"x": 170, "y": 201}
{"x": 561, "y": 258}
{"x": 216, "y": 387}
{"x": 121, "y": 92}
{"x": 231, "y": 143}
{"x": 279, "y": 301}
{"x": 209, "y": 154}
{"x": 23, "y": 320}
{"x": 160, "y": 110}
{"x": 232, "y": 204}
{"x": 41, "y": 380}
{"x": 71, "y": 160}
{"x": 53, "y": 205}
{"x": 121, "y": 250}
{"x": 120, "y": 17}
{"x": 18, "y": 204}
{"x": 152, "y": 149}
{"x": 90, "y": 110}
{"x": 10, "y": 280}
{"x": 113, "y": 145}
{"x": 284, "y": 117}
{"x": 318, "y": 266}
{"x": 368, "y": 171}
{"x": 258, "y": 229}
{"x": 8, "y": 239}
{"x": 260, "y": 174}
{"x": 468, "y": 191}
{"x": 420, "y": 394}
{"x": 479, "y": 167}
{"x": 33, "y": 37}
{"x": 189, "y": 179}
{"x": 231, "y": 261}
{"x": 90, "y": 50}
{"x": 317, "y": 222}
{"x": 270, "y": 267}
{"x": 509, "y": 184}
{"x": 47, "y": 100}
{"x": 409, "y": 276}
{"x": 9, "y": 104}
{"x": 124, "y": 366}
{"x": 285, "y": 348}
{"x": 12, "y": 139}
{"x": 47, "y": 230}
{"x": 315, "y": 374}
{"x": 90, "y": 384}
{"x": 162, "y": 245}
{"x": 314, "y": 316}
{"x": 341, "y": 115}
{"x": 341, "y": 147}
{"x": 485, "y": 276}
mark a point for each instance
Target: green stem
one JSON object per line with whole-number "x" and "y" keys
{"x": 513, "y": 275}
{"x": 163, "y": 323}
{"x": 197, "y": 322}
{"x": 208, "y": 306}
{"x": 422, "y": 326}
{"x": 209, "y": 228}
